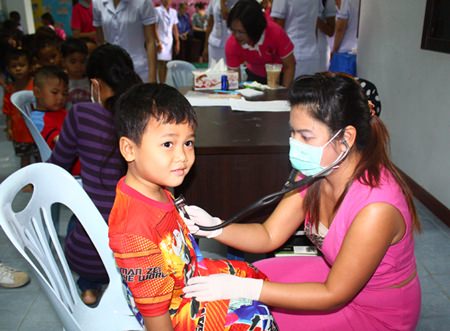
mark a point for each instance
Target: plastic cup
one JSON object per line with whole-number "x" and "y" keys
{"x": 273, "y": 71}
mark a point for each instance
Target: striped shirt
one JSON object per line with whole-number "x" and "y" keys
{"x": 89, "y": 134}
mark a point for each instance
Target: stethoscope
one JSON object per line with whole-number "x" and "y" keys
{"x": 289, "y": 185}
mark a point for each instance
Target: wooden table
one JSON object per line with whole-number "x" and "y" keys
{"x": 240, "y": 157}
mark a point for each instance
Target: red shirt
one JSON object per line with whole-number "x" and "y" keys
{"x": 156, "y": 256}
{"x": 50, "y": 124}
{"x": 20, "y": 132}
{"x": 82, "y": 18}
{"x": 275, "y": 46}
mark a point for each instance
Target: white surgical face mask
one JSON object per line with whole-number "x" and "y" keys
{"x": 306, "y": 158}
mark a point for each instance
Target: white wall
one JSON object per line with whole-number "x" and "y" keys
{"x": 414, "y": 87}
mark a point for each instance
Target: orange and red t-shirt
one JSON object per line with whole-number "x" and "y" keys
{"x": 157, "y": 255}
{"x": 19, "y": 130}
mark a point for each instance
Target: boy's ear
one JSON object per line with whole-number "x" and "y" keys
{"x": 127, "y": 148}
{"x": 36, "y": 91}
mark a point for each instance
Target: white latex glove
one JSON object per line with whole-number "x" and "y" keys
{"x": 201, "y": 217}
{"x": 223, "y": 286}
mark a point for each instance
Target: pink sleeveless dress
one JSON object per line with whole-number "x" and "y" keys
{"x": 378, "y": 306}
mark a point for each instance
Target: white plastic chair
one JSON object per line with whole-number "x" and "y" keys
{"x": 179, "y": 74}
{"x": 32, "y": 232}
{"x": 23, "y": 100}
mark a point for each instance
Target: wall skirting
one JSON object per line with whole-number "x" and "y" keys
{"x": 433, "y": 204}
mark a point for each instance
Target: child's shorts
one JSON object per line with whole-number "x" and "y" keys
{"x": 26, "y": 149}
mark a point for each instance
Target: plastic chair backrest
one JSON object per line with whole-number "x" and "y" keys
{"x": 23, "y": 100}
{"x": 179, "y": 73}
{"x": 32, "y": 232}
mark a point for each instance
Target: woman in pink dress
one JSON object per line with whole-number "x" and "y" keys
{"x": 359, "y": 214}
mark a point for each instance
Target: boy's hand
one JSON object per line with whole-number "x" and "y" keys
{"x": 223, "y": 286}
{"x": 201, "y": 217}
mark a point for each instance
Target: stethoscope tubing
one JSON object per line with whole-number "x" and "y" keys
{"x": 289, "y": 186}
{"x": 264, "y": 201}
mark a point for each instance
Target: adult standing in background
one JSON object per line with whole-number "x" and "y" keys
{"x": 217, "y": 32}
{"x": 257, "y": 41}
{"x": 131, "y": 25}
{"x": 81, "y": 20}
{"x": 299, "y": 18}
{"x": 325, "y": 30}
{"x": 184, "y": 32}
{"x": 343, "y": 53}
{"x": 199, "y": 24}
{"x": 167, "y": 31}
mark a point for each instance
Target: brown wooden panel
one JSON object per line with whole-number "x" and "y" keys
{"x": 224, "y": 184}
{"x": 240, "y": 157}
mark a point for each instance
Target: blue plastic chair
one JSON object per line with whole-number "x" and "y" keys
{"x": 24, "y": 101}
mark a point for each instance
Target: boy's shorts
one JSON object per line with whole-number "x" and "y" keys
{"x": 26, "y": 149}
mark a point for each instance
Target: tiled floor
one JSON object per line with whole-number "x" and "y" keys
{"x": 28, "y": 309}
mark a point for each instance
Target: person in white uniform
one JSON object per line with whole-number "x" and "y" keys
{"x": 343, "y": 52}
{"x": 131, "y": 25}
{"x": 299, "y": 18}
{"x": 325, "y": 31}
{"x": 346, "y": 31}
{"x": 217, "y": 32}
{"x": 167, "y": 31}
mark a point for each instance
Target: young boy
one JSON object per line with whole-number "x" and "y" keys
{"x": 74, "y": 55}
{"x": 152, "y": 245}
{"x": 18, "y": 66}
{"x": 50, "y": 89}
{"x": 48, "y": 50}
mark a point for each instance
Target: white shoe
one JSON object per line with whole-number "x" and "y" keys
{"x": 12, "y": 278}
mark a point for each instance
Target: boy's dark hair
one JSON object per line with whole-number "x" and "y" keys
{"x": 15, "y": 53}
{"x": 113, "y": 65}
{"x": 88, "y": 40}
{"x": 144, "y": 101}
{"x": 45, "y": 73}
{"x": 199, "y": 5}
{"x": 48, "y": 18}
{"x": 251, "y": 16}
{"x": 44, "y": 32}
{"x": 43, "y": 41}
{"x": 14, "y": 15}
{"x": 73, "y": 45}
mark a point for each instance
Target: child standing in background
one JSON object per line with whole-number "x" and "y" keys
{"x": 51, "y": 90}
{"x": 47, "y": 20}
{"x": 18, "y": 66}
{"x": 74, "y": 54}
{"x": 167, "y": 31}
{"x": 152, "y": 245}
{"x": 48, "y": 51}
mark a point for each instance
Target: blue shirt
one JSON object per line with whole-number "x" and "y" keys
{"x": 184, "y": 23}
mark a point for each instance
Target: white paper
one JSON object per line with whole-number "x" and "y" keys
{"x": 274, "y": 106}
{"x": 248, "y": 92}
{"x": 199, "y": 99}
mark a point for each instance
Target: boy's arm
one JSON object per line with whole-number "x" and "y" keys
{"x": 158, "y": 323}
